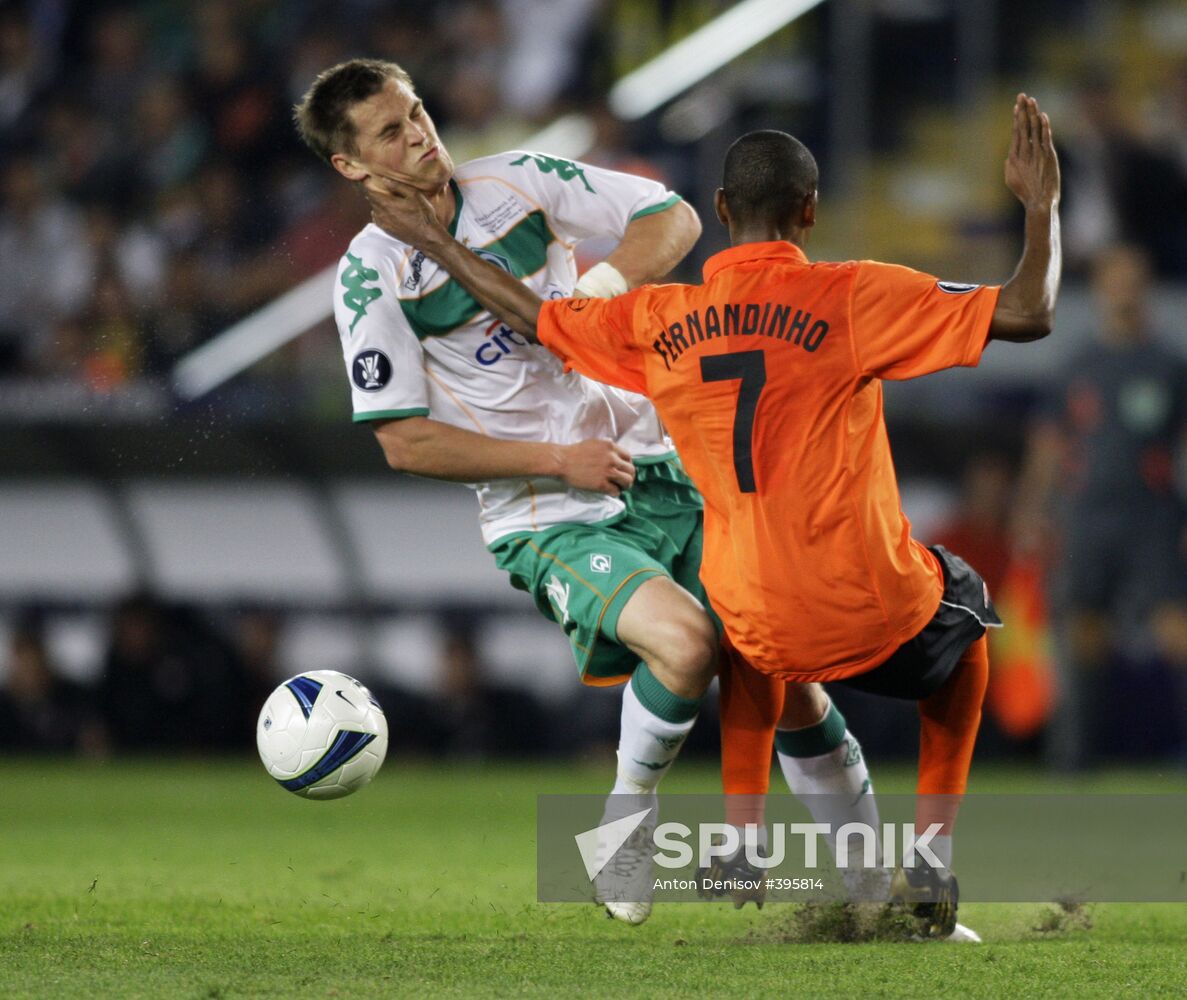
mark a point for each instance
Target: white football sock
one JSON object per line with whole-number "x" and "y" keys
{"x": 647, "y": 745}
{"x": 836, "y": 788}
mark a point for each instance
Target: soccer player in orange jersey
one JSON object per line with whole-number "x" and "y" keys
{"x": 768, "y": 377}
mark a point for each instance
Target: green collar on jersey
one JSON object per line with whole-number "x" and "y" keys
{"x": 458, "y": 201}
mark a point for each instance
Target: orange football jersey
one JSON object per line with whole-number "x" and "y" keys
{"x": 768, "y": 378}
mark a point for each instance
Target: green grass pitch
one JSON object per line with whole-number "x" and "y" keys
{"x": 203, "y": 879}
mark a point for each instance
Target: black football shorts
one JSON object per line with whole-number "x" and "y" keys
{"x": 921, "y": 665}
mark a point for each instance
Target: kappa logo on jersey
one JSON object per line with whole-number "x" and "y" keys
{"x": 599, "y": 563}
{"x": 371, "y": 370}
{"x": 955, "y": 287}
{"x": 566, "y": 170}
{"x": 358, "y": 296}
{"x": 558, "y": 594}
{"x": 414, "y": 268}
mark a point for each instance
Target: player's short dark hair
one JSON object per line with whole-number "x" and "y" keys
{"x": 323, "y": 116}
{"x": 767, "y": 176}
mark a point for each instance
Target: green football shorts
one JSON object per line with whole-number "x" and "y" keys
{"x": 664, "y": 495}
{"x": 582, "y": 575}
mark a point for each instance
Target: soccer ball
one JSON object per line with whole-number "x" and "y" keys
{"x": 322, "y": 735}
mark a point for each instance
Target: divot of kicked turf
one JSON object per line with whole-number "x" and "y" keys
{"x": 839, "y": 923}
{"x": 1064, "y": 917}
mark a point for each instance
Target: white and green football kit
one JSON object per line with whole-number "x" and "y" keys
{"x": 416, "y": 343}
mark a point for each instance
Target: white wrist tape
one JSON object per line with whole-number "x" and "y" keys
{"x": 602, "y": 281}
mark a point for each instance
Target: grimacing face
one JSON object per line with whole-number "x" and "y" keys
{"x": 396, "y": 139}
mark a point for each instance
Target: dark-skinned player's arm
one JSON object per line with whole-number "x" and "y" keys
{"x": 406, "y": 214}
{"x": 1026, "y": 303}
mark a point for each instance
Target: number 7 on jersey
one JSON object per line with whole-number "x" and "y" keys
{"x": 751, "y": 368}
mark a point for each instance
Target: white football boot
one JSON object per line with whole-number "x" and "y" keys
{"x": 964, "y": 935}
{"x": 626, "y": 883}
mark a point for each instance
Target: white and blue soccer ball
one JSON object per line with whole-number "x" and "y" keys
{"x": 322, "y": 735}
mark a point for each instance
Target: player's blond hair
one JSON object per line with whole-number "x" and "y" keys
{"x": 323, "y": 116}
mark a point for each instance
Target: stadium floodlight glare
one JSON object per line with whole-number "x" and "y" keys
{"x": 707, "y": 49}
{"x": 254, "y": 337}
{"x": 570, "y": 136}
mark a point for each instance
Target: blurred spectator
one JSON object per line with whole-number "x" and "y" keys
{"x": 1171, "y": 126}
{"x": 1120, "y": 186}
{"x": 118, "y": 70}
{"x": 80, "y": 154}
{"x": 1100, "y": 485}
{"x": 24, "y": 67}
{"x": 1021, "y": 695}
{"x": 258, "y": 641}
{"x": 131, "y": 252}
{"x": 542, "y": 63}
{"x": 477, "y": 121}
{"x": 40, "y": 710}
{"x": 104, "y": 344}
{"x": 46, "y": 263}
{"x": 170, "y": 140}
{"x": 170, "y": 681}
{"x": 979, "y": 529}
{"x": 238, "y": 92}
{"x": 117, "y": 342}
{"x": 186, "y": 314}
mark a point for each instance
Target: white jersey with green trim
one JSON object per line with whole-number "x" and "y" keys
{"x": 641, "y": 433}
{"x": 416, "y": 343}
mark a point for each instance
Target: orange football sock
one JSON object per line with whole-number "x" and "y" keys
{"x": 949, "y": 720}
{"x": 751, "y": 703}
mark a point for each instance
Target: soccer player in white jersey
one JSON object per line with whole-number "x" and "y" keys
{"x": 453, "y": 394}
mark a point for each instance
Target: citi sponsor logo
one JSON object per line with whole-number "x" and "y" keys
{"x": 498, "y": 345}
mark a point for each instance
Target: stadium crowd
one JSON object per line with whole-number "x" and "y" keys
{"x": 152, "y": 187}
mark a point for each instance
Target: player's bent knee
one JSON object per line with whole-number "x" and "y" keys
{"x": 685, "y": 648}
{"x": 698, "y": 646}
{"x": 669, "y": 629}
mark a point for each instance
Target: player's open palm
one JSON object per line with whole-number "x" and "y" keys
{"x": 1032, "y": 166}
{"x": 598, "y": 465}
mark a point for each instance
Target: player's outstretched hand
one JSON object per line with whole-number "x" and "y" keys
{"x": 1032, "y": 166}
{"x": 402, "y": 211}
{"x": 598, "y": 465}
